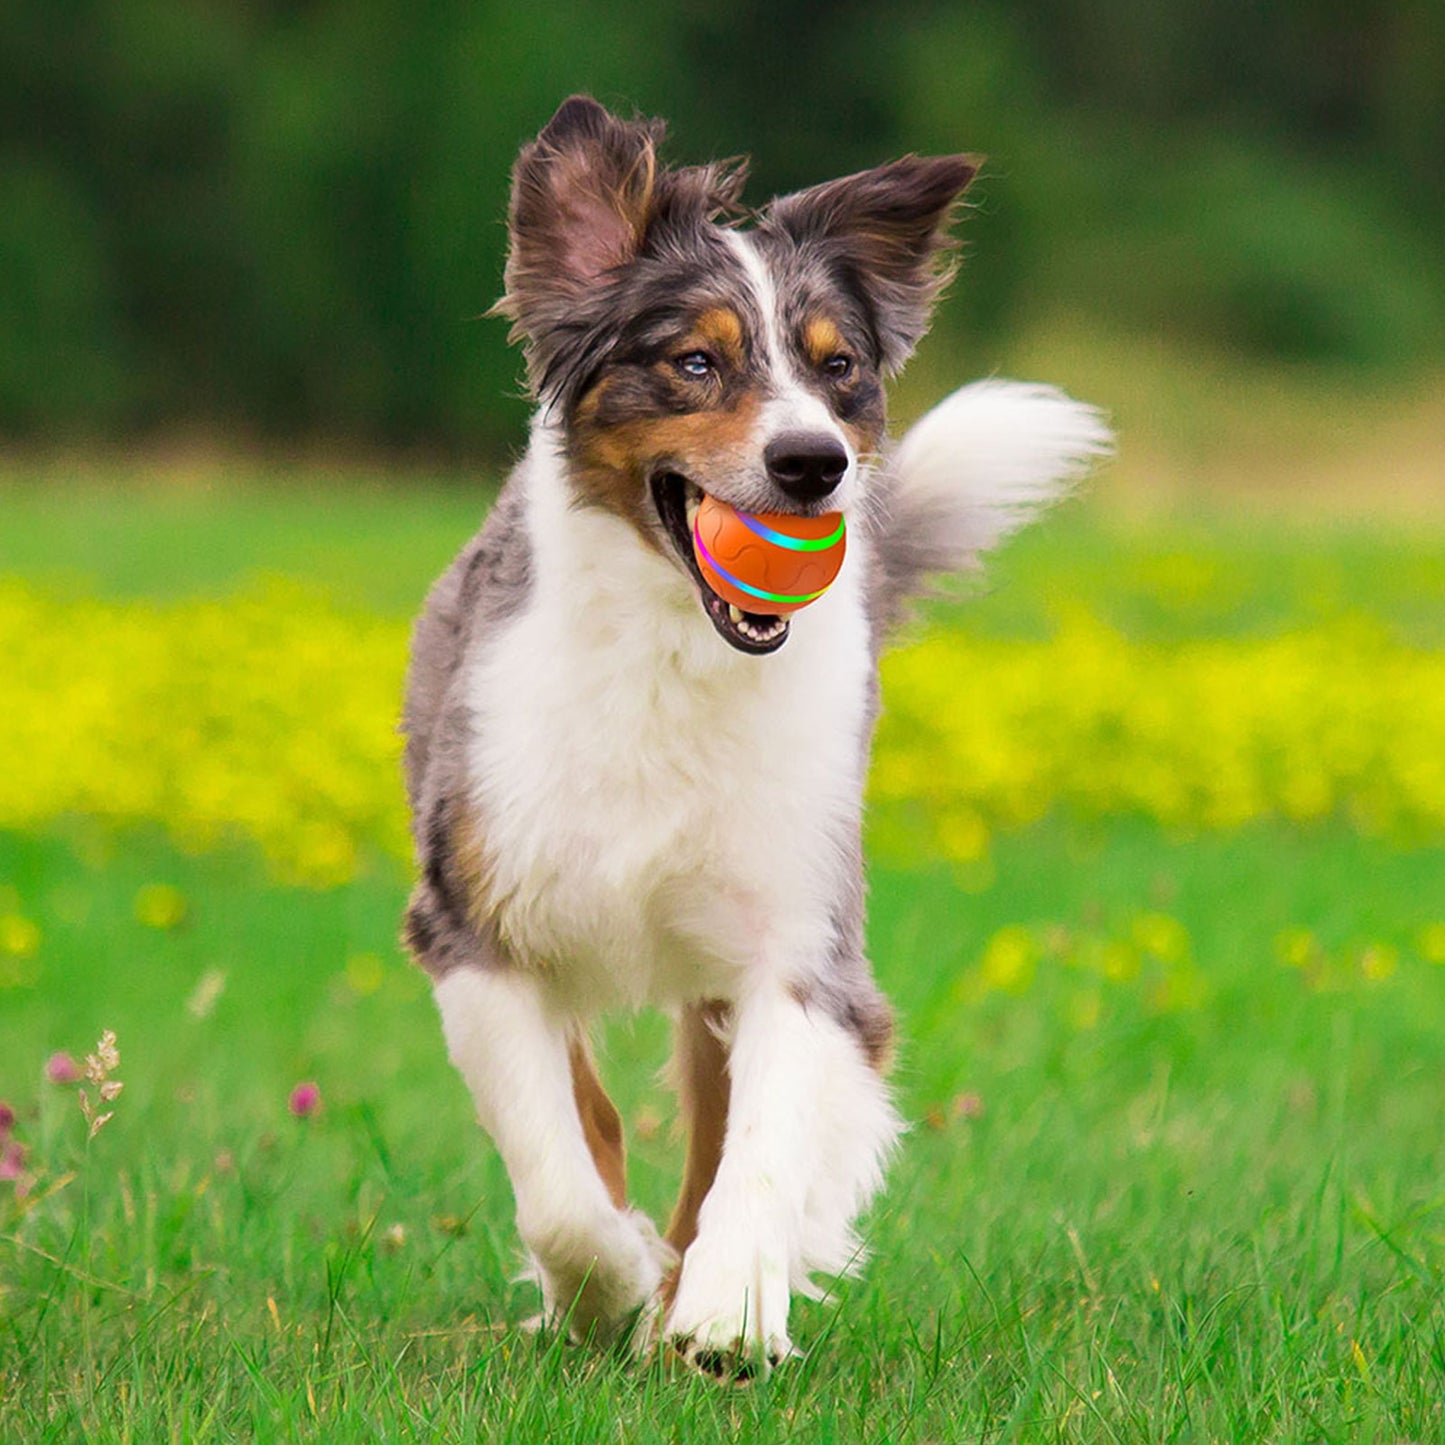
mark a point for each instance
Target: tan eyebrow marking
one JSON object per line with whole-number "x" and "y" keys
{"x": 720, "y": 329}
{"x": 822, "y": 339}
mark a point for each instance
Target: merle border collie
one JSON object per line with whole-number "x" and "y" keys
{"x": 628, "y": 792}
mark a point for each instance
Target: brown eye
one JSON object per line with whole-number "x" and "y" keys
{"x": 838, "y": 368}
{"x": 696, "y": 364}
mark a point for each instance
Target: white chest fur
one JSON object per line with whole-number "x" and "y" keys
{"x": 664, "y": 814}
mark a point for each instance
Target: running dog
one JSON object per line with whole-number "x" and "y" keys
{"x": 627, "y": 791}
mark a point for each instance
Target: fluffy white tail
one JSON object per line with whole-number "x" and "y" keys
{"x": 977, "y": 467}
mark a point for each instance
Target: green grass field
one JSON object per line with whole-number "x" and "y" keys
{"x": 1177, "y": 1170}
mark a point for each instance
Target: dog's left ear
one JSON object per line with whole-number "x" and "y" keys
{"x": 887, "y": 230}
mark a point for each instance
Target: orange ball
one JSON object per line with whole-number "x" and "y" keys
{"x": 768, "y": 562}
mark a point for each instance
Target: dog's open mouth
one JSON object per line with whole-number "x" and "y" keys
{"x": 677, "y": 499}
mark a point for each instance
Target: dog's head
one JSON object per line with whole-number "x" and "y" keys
{"x": 685, "y": 355}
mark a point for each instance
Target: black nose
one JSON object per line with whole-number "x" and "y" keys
{"x": 807, "y": 465}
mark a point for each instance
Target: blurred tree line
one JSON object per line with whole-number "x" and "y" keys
{"x": 284, "y": 218}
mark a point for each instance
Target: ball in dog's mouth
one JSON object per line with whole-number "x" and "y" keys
{"x": 677, "y": 499}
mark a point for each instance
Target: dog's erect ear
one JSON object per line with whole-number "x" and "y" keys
{"x": 582, "y": 195}
{"x": 586, "y": 195}
{"x": 888, "y": 230}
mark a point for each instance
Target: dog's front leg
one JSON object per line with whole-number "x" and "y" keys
{"x": 793, "y": 1074}
{"x": 598, "y": 1262}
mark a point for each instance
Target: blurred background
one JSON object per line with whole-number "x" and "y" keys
{"x": 277, "y": 225}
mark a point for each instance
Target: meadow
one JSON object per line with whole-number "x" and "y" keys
{"x": 1158, "y": 886}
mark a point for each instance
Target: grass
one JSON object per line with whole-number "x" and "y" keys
{"x": 1198, "y": 572}
{"x": 1123, "y": 1214}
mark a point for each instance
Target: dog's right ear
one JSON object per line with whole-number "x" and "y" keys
{"x": 582, "y": 195}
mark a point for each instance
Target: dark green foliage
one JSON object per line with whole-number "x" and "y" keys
{"x": 285, "y": 219}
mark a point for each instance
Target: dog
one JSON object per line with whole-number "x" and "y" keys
{"x": 628, "y": 792}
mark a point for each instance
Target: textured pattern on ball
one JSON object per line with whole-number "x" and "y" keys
{"x": 769, "y": 562}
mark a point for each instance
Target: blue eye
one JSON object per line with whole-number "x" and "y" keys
{"x": 696, "y": 364}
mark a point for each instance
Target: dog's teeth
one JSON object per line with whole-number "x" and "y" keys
{"x": 762, "y": 630}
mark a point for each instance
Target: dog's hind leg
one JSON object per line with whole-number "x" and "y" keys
{"x": 598, "y": 1261}
{"x": 699, "y": 1070}
{"x": 601, "y": 1123}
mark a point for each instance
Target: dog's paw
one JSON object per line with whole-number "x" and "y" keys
{"x": 729, "y": 1318}
{"x": 737, "y": 1362}
{"x": 600, "y": 1277}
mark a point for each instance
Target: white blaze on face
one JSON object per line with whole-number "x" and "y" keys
{"x": 792, "y": 406}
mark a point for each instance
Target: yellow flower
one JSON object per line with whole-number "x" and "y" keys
{"x": 963, "y": 835}
{"x": 1432, "y": 942}
{"x": 271, "y": 717}
{"x": 19, "y": 937}
{"x": 1163, "y": 937}
{"x": 1379, "y": 962}
{"x": 1120, "y": 961}
{"x": 364, "y": 973}
{"x": 1009, "y": 959}
{"x": 159, "y": 905}
{"x": 1296, "y": 947}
